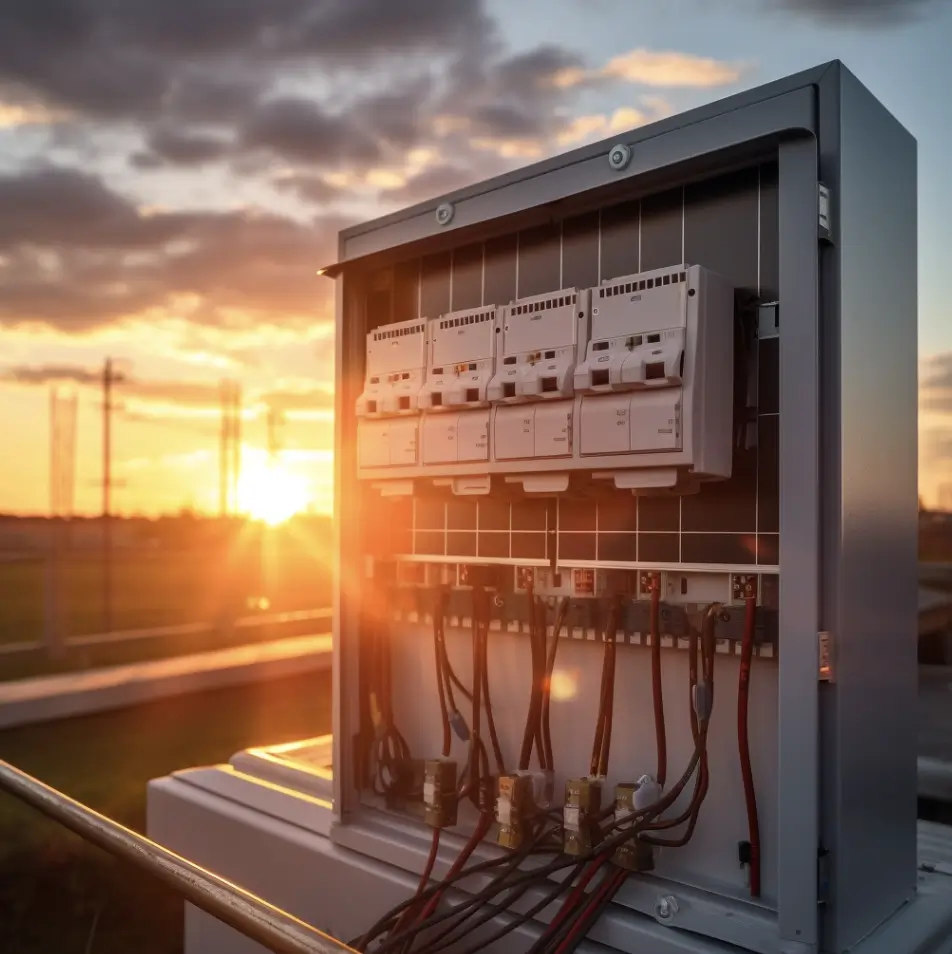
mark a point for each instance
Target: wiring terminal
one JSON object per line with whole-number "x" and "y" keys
{"x": 634, "y": 854}
{"x": 439, "y": 793}
{"x": 512, "y": 806}
{"x": 583, "y": 800}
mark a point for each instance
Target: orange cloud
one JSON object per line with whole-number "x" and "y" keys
{"x": 671, "y": 69}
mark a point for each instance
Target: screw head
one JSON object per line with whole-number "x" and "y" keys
{"x": 666, "y": 908}
{"x": 444, "y": 213}
{"x": 619, "y": 156}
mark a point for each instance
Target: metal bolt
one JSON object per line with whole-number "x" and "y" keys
{"x": 498, "y": 601}
{"x": 619, "y": 156}
{"x": 444, "y": 213}
{"x": 666, "y": 908}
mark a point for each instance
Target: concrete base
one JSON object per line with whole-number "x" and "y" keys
{"x": 265, "y": 821}
{"x": 71, "y": 694}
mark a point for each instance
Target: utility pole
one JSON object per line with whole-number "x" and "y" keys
{"x": 62, "y": 483}
{"x": 229, "y": 450}
{"x": 224, "y": 449}
{"x": 275, "y": 420}
{"x": 108, "y": 379}
{"x": 236, "y": 444}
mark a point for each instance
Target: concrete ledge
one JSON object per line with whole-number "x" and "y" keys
{"x": 75, "y": 694}
{"x": 935, "y": 779}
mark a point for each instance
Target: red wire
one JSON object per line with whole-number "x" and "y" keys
{"x": 607, "y": 888}
{"x": 743, "y": 743}
{"x": 571, "y": 902}
{"x": 424, "y": 880}
{"x": 478, "y": 834}
{"x": 656, "y": 684}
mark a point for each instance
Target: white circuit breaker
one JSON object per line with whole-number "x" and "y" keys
{"x": 544, "y": 338}
{"x": 631, "y": 381}
{"x": 461, "y": 360}
{"x": 388, "y": 408}
{"x": 656, "y": 384}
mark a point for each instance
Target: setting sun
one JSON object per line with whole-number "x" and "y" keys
{"x": 272, "y": 493}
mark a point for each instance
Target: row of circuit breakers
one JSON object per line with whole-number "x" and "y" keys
{"x": 631, "y": 381}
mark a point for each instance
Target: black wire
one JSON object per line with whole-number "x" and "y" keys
{"x": 487, "y": 702}
{"x": 547, "y": 689}
{"x": 396, "y": 911}
{"x": 438, "y": 612}
{"x": 637, "y": 821}
{"x": 444, "y": 939}
{"x": 518, "y": 920}
{"x": 582, "y": 926}
{"x": 525, "y": 753}
{"x": 485, "y": 895}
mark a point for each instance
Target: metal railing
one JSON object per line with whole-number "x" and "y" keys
{"x": 255, "y": 918}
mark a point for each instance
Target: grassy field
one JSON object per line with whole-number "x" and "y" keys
{"x": 255, "y": 572}
{"x": 158, "y": 589}
{"x": 59, "y": 894}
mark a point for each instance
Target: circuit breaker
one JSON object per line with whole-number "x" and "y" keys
{"x": 543, "y": 339}
{"x": 387, "y": 409}
{"x": 461, "y": 352}
{"x": 656, "y": 385}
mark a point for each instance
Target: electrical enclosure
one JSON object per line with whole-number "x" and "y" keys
{"x": 631, "y": 393}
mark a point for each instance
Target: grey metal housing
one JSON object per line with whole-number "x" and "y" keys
{"x": 847, "y": 463}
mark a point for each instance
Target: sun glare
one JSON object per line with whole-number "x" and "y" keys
{"x": 272, "y": 493}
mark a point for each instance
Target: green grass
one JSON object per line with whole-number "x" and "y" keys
{"x": 158, "y": 589}
{"x": 55, "y": 890}
{"x": 155, "y": 588}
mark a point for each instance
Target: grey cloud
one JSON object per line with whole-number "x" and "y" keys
{"x": 302, "y": 130}
{"x": 126, "y": 58}
{"x": 55, "y": 206}
{"x": 310, "y": 400}
{"x": 50, "y": 374}
{"x": 433, "y": 182}
{"x": 185, "y": 148}
{"x": 311, "y": 188}
{"x": 935, "y": 386}
{"x": 856, "y": 13}
{"x": 537, "y": 68}
{"x": 355, "y": 28}
{"x": 197, "y": 394}
{"x": 67, "y": 240}
{"x": 513, "y": 96}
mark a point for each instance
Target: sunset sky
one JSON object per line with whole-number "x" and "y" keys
{"x": 173, "y": 173}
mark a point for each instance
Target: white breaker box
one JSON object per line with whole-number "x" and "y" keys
{"x": 460, "y": 362}
{"x": 387, "y": 409}
{"x": 631, "y": 381}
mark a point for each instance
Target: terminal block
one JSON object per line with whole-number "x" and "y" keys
{"x": 490, "y": 576}
{"x": 439, "y": 793}
{"x": 583, "y": 800}
{"x": 673, "y": 619}
{"x": 633, "y": 855}
{"x": 513, "y": 806}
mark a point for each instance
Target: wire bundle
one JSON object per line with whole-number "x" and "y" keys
{"x": 583, "y": 886}
{"x": 389, "y": 750}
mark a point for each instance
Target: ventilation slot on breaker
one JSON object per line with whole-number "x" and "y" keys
{"x": 656, "y": 381}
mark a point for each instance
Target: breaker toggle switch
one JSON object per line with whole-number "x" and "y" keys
{"x": 657, "y": 364}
